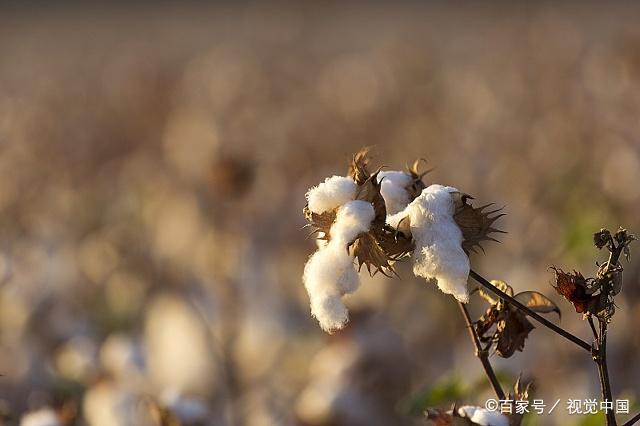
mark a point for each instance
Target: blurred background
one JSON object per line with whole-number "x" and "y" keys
{"x": 154, "y": 161}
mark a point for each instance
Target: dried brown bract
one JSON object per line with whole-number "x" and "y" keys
{"x": 358, "y": 167}
{"x": 475, "y": 223}
{"x": 417, "y": 184}
{"x": 382, "y": 245}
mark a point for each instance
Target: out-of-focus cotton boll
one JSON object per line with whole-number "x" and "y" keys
{"x": 393, "y": 186}
{"x": 178, "y": 351}
{"x": 330, "y": 273}
{"x": 42, "y": 417}
{"x": 121, "y": 357}
{"x": 438, "y": 254}
{"x": 107, "y": 404}
{"x": 352, "y": 380}
{"x": 187, "y": 409}
{"x": 333, "y": 192}
{"x": 483, "y": 417}
{"x": 77, "y": 359}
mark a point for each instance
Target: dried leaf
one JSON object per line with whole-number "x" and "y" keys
{"x": 510, "y": 326}
{"x": 475, "y": 223}
{"x": 537, "y": 302}
{"x": 490, "y": 297}
{"x": 511, "y": 333}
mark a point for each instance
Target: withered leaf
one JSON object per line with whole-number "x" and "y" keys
{"x": 537, "y": 302}
{"x": 475, "y": 223}
{"x": 490, "y": 297}
{"x": 511, "y": 332}
{"x": 510, "y": 326}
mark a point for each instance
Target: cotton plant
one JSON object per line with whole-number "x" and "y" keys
{"x": 376, "y": 219}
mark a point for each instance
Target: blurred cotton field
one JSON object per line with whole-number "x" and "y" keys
{"x": 154, "y": 161}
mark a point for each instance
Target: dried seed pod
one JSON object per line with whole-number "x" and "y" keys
{"x": 475, "y": 223}
{"x": 602, "y": 238}
{"x": 577, "y": 289}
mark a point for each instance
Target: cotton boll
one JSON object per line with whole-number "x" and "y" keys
{"x": 330, "y": 312}
{"x": 328, "y": 275}
{"x": 438, "y": 253}
{"x": 393, "y": 189}
{"x": 42, "y": 417}
{"x": 330, "y": 272}
{"x": 352, "y": 219}
{"x": 333, "y": 192}
{"x": 483, "y": 417}
{"x": 108, "y": 404}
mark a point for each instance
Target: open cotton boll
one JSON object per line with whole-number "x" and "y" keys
{"x": 438, "y": 253}
{"x": 333, "y": 192}
{"x": 330, "y": 272}
{"x": 483, "y": 417}
{"x": 393, "y": 186}
{"x": 352, "y": 219}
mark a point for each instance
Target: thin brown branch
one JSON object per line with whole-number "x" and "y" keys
{"x": 601, "y": 356}
{"x": 482, "y": 353}
{"x": 633, "y": 420}
{"x": 508, "y": 299}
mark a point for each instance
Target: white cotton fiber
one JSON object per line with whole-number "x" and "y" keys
{"x": 483, "y": 417}
{"x": 42, "y": 417}
{"x": 352, "y": 219}
{"x": 333, "y": 192}
{"x": 393, "y": 189}
{"x": 438, "y": 254}
{"x": 330, "y": 272}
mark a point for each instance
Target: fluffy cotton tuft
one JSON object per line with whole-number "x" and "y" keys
{"x": 393, "y": 189}
{"x": 42, "y": 417}
{"x": 333, "y": 192}
{"x": 483, "y": 417}
{"x": 330, "y": 272}
{"x": 438, "y": 254}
